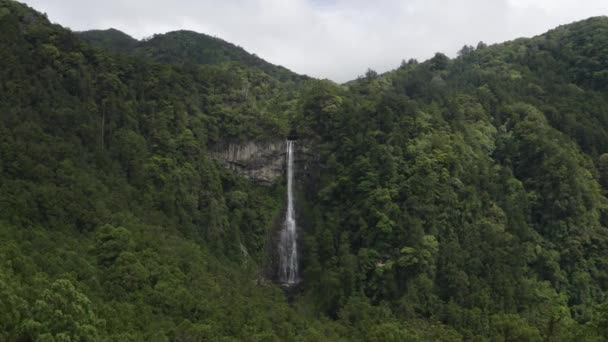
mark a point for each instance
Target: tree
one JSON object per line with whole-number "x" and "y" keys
{"x": 465, "y": 50}
{"x": 62, "y": 313}
{"x": 439, "y": 62}
{"x": 512, "y": 328}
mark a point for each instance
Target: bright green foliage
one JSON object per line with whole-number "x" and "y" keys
{"x": 62, "y": 314}
{"x": 468, "y": 191}
{"x": 449, "y": 200}
{"x": 513, "y": 328}
{"x": 115, "y": 222}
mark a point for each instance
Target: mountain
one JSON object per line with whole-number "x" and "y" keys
{"x": 116, "y": 222}
{"x": 185, "y": 47}
{"x": 110, "y": 40}
{"x": 446, "y": 200}
{"x": 468, "y": 190}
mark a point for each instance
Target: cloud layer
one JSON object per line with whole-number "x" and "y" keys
{"x": 335, "y": 39}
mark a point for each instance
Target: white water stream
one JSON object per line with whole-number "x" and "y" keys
{"x": 288, "y": 248}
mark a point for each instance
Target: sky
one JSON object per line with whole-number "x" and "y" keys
{"x": 334, "y": 39}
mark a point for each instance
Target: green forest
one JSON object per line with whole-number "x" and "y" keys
{"x": 454, "y": 199}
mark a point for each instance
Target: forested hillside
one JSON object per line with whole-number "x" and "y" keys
{"x": 185, "y": 48}
{"x": 115, "y": 223}
{"x": 469, "y": 190}
{"x": 458, "y": 199}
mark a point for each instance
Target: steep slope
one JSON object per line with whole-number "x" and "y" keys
{"x": 457, "y": 199}
{"x": 467, "y": 190}
{"x": 115, "y": 222}
{"x": 562, "y": 72}
{"x": 186, "y": 47}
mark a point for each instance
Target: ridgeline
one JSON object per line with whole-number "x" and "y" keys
{"x": 453, "y": 199}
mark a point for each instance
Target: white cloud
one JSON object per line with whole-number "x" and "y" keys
{"x": 336, "y": 39}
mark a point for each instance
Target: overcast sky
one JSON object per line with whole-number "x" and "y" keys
{"x": 335, "y": 39}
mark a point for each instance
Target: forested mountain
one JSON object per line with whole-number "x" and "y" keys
{"x": 115, "y": 223}
{"x": 455, "y": 199}
{"x": 468, "y": 190}
{"x": 183, "y": 48}
{"x": 111, "y": 40}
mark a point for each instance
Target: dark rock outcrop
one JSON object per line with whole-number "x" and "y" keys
{"x": 265, "y": 162}
{"x": 262, "y": 162}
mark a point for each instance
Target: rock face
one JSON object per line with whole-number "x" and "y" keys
{"x": 263, "y": 162}
{"x": 266, "y": 163}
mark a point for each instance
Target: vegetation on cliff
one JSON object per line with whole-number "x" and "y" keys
{"x": 459, "y": 199}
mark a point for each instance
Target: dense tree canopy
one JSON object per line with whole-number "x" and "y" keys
{"x": 453, "y": 199}
{"x": 467, "y": 191}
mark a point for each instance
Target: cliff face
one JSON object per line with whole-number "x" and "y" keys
{"x": 264, "y": 162}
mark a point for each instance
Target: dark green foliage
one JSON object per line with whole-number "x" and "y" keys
{"x": 110, "y": 39}
{"x": 115, "y": 222}
{"x": 185, "y": 48}
{"x": 466, "y": 191}
{"x": 458, "y": 199}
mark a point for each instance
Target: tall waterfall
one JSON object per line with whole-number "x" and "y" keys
{"x": 288, "y": 249}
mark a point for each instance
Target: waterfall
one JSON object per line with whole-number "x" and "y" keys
{"x": 288, "y": 249}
